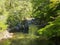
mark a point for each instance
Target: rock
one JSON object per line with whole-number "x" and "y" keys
{"x": 5, "y": 35}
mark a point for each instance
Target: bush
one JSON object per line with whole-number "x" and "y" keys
{"x": 51, "y": 30}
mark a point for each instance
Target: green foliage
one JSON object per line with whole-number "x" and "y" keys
{"x": 45, "y": 11}
{"x": 5, "y": 42}
{"x": 33, "y": 29}
{"x": 17, "y": 11}
{"x": 51, "y": 30}
{"x": 13, "y": 12}
{"x": 3, "y": 16}
{"x": 23, "y": 39}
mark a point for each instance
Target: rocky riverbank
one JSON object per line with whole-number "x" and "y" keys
{"x": 5, "y": 34}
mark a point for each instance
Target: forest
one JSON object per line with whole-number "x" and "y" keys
{"x": 29, "y": 22}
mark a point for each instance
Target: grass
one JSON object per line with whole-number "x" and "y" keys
{"x": 19, "y": 39}
{"x": 24, "y": 39}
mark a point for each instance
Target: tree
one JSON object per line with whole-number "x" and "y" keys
{"x": 14, "y": 11}
{"x": 46, "y": 11}
{"x": 3, "y": 16}
{"x": 17, "y": 11}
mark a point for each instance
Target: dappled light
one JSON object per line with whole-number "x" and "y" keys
{"x": 29, "y": 22}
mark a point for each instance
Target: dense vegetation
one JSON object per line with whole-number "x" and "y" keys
{"x": 42, "y": 29}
